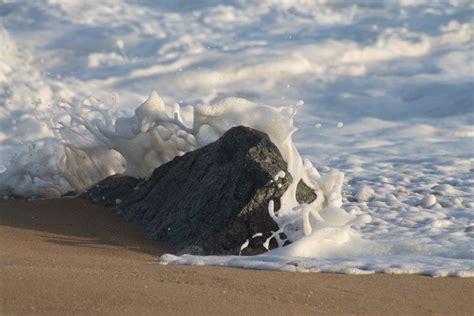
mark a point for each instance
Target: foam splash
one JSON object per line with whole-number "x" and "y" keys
{"x": 93, "y": 142}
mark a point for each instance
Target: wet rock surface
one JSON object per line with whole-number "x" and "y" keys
{"x": 208, "y": 201}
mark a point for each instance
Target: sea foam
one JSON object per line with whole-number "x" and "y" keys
{"x": 93, "y": 144}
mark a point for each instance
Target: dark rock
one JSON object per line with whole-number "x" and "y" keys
{"x": 208, "y": 201}
{"x": 112, "y": 190}
{"x": 304, "y": 194}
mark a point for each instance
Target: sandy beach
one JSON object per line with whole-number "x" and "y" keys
{"x": 67, "y": 256}
{"x": 367, "y": 168}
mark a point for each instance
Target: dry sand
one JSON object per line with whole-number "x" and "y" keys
{"x": 67, "y": 256}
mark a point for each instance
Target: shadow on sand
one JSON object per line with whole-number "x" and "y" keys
{"x": 78, "y": 223}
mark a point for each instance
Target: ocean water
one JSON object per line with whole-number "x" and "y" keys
{"x": 381, "y": 93}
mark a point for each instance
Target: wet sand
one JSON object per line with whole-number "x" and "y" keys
{"x": 67, "y": 256}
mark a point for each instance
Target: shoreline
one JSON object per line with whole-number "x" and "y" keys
{"x": 67, "y": 255}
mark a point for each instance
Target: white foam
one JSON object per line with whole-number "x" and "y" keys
{"x": 394, "y": 72}
{"x": 159, "y": 132}
{"x": 433, "y": 266}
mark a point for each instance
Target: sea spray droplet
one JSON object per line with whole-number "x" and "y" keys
{"x": 266, "y": 244}
{"x": 120, "y": 44}
{"x": 244, "y": 245}
{"x": 280, "y": 174}
{"x": 2, "y": 169}
{"x": 340, "y": 124}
